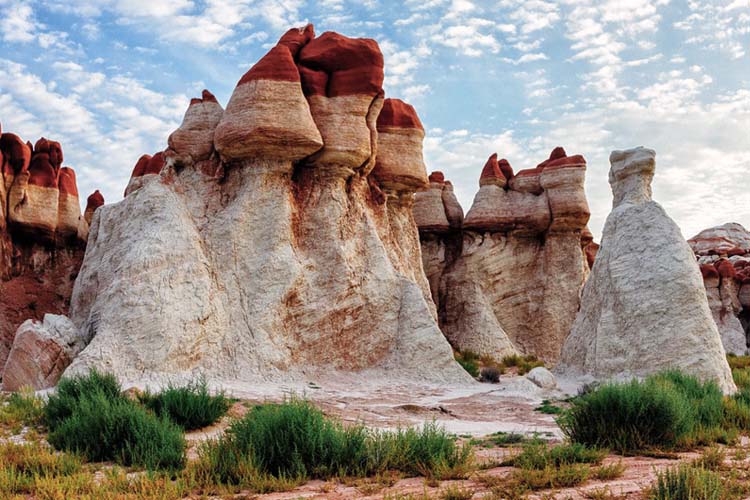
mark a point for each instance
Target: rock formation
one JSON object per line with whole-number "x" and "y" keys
{"x": 643, "y": 308}
{"x": 723, "y": 253}
{"x": 507, "y": 277}
{"x": 42, "y": 242}
{"x": 287, "y": 248}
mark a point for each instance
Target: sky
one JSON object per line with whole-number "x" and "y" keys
{"x": 110, "y": 80}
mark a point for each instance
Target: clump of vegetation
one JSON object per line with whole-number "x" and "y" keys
{"x": 71, "y": 390}
{"x": 548, "y": 408}
{"x": 687, "y": 482}
{"x": 295, "y": 440}
{"x": 712, "y": 458}
{"x": 22, "y": 408}
{"x": 538, "y": 455}
{"x": 469, "y": 361}
{"x": 609, "y": 471}
{"x": 523, "y": 364}
{"x": 490, "y": 374}
{"x": 666, "y": 410}
{"x": 89, "y": 415}
{"x": 191, "y": 406}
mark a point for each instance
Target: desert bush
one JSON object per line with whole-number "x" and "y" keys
{"x": 490, "y": 374}
{"x": 538, "y": 455}
{"x": 101, "y": 428}
{"x": 628, "y": 417}
{"x": 22, "y": 408}
{"x": 524, "y": 364}
{"x": 295, "y": 440}
{"x": 191, "y": 406}
{"x": 609, "y": 471}
{"x": 469, "y": 361}
{"x": 71, "y": 390}
{"x": 548, "y": 408}
{"x": 686, "y": 482}
{"x": 428, "y": 450}
{"x": 565, "y": 476}
{"x": 739, "y": 362}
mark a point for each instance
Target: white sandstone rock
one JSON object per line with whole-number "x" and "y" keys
{"x": 644, "y": 307}
{"x": 542, "y": 377}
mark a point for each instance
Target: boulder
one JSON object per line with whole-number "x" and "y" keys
{"x": 194, "y": 140}
{"x": 342, "y": 79}
{"x": 644, "y": 307}
{"x": 429, "y": 210}
{"x": 542, "y": 377}
{"x": 33, "y": 197}
{"x": 146, "y": 169}
{"x": 68, "y": 207}
{"x": 727, "y": 239}
{"x": 399, "y": 163}
{"x": 40, "y": 353}
{"x": 268, "y": 115}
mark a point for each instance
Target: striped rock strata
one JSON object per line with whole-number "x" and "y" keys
{"x": 290, "y": 253}
{"x": 507, "y": 279}
{"x": 42, "y": 242}
{"x": 644, "y": 307}
{"x": 723, "y": 253}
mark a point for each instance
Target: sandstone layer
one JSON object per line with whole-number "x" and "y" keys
{"x": 723, "y": 253}
{"x": 42, "y": 243}
{"x": 644, "y": 307}
{"x": 285, "y": 250}
{"x": 507, "y": 278}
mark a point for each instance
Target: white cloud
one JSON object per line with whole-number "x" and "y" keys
{"x": 17, "y": 22}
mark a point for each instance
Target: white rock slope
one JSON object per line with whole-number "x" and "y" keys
{"x": 644, "y": 307}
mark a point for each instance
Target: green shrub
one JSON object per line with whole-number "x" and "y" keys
{"x": 628, "y": 417}
{"x": 686, "y": 482}
{"x": 22, "y": 408}
{"x": 548, "y": 408}
{"x": 524, "y": 364}
{"x": 428, "y": 450}
{"x": 101, "y": 428}
{"x": 71, "y": 390}
{"x": 490, "y": 374}
{"x": 539, "y": 456}
{"x": 705, "y": 398}
{"x": 294, "y": 440}
{"x": 190, "y": 407}
{"x": 469, "y": 362}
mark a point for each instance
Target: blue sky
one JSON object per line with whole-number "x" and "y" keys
{"x": 110, "y": 79}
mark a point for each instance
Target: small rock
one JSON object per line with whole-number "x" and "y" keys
{"x": 542, "y": 377}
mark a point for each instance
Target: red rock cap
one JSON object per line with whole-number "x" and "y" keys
{"x": 725, "y": 269}
{"x": 491, "y": 173}
{"x": 709, "y": 271}
{"x": 437, "y": 177}
{"x": 398, "y": 114}
{"x": 279, "y": 63}
{"x": 94, "y": 201}
{"x": 208, "y": 96}
{"x": 336, "y": 65}
{"x": 41, "y": 171}
{"x": 505, "y": 168}
{"x": 66, "y": 181}
{"x": 148, "y": 164}
{"x": 17, "y": 154}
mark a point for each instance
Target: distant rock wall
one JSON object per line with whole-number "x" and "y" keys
{"x": 271, "y": 240}
{"x": 507, "y": 278}
{"x": 644, "y": 307}
{"x": 42, "y": 237}
{"x": 723, "y": 253}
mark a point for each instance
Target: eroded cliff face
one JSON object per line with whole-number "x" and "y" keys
{"x": 507, "y": 278}
{"x": 723, "y": 253}
{"x": 644, "y": 307}
{"x": 42, "y": 239}
{"x": 272, "y": 239}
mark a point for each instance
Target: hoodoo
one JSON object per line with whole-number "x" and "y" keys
{"x": 267, "y": 242}
{"x": 507, "y": 277}
{"x": 42, "y": 242}
{"x": 644, "y": 307}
